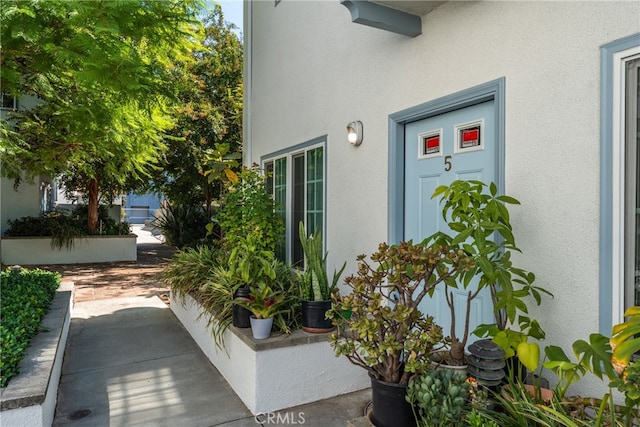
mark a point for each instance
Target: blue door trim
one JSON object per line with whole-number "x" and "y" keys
{"x": 490, "y": 91}
{"x": 607, "y": 53}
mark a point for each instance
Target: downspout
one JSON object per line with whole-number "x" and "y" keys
{"x": 247, "y": 134}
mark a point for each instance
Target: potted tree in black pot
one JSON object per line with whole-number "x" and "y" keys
{"x": 387, "y": 334}
{"x": 315, "y": 288}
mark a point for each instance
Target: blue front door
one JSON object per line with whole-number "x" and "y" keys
{"x": 459, "y": 144}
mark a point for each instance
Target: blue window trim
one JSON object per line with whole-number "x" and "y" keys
{"x": 607, "y": 53}
{"x": 295, "y": 148}
{"x": 490, "y": 91}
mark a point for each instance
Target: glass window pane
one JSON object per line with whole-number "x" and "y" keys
{"x": 280, "y": 198}
{"x": 297, "y": 202}
{"x": 632, "y": 185}
{"x": 315, "y": 190}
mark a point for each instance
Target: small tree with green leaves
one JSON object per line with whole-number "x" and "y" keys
{"x": 103, "y": 74}
{"x": 248, "y": 210}
{"x": 480, "y": 224}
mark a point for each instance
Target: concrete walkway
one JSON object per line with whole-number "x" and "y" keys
{"x": 129, "y": 362}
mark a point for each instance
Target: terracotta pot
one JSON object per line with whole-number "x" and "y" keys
{"x": 545, "y": 394}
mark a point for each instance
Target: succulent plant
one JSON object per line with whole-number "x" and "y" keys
{"x": 438, "y": 398}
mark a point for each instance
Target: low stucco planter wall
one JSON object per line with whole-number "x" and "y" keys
{"x": 37, "y": 250}
{"x": 30, "y": 398}
{"x": 277, "y": 373}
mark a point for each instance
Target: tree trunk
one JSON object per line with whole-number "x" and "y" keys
{"x": 92, "y": 208}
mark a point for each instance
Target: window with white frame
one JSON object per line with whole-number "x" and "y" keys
{"x": 297, "y": 182}
{"x": 620, "y": 180}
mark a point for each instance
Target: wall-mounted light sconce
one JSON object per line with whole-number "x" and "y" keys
{"x": 354, "y": 132}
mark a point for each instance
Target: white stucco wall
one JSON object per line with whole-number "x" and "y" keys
{"x": 15, "y": 204}
{"x": 89, "y": 249}
{"x": 313, "y": 71}
{"x": 273, "y": 378}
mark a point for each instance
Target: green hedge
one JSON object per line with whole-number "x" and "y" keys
{"x": 26, "y": 297}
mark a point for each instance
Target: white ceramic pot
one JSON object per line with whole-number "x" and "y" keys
{"x": 437, "y": 358}
{"x": 261, "y": 328}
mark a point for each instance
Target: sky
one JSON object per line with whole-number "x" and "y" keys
{"x": 232, "y": 11}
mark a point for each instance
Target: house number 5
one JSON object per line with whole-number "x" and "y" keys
{"x": 447, "y": 163}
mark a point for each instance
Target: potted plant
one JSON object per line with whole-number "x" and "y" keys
{"x": 480, "y": 224}
{"x": 264, "y": 303}
{"x": 315, "y": 288}
{"x": 387, "y": 334}
{"x": 249, "y": 265}
{"x": 438, "y": 398}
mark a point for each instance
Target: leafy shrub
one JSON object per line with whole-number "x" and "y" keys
{"x": 26, "y": 297}
{"x": 183, "y": 225}
{"x": 248, "y": 209}
{"x": 64, "y": 227}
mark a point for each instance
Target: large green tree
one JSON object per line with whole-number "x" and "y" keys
{"x": 206, "y": 147}
{"x": 103, "y": 74}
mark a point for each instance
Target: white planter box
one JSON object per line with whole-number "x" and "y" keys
{"x": 277, "y": 373}
{"x": 38, "y": 250}
{"x": 31, "y": 396}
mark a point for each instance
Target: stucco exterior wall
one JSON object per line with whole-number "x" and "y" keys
{"x": 15, "y": 204}
{"x": 313, "y": 71}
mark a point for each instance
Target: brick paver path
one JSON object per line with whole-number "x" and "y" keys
{"x": 119, "y": 279}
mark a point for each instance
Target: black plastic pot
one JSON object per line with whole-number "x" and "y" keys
{"x": 314, "y": 316}
{"x": 241, "y": 315}
{"x": 390, "y": 408}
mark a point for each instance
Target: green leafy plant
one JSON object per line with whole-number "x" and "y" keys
{"x": 202, "y": 273}
{"x": 438, "y": 398}
{"x": 625, "y": 340}
{"x": 183, "y": 225}
{"x": 611, "y": 358}
{"x": 516, "y": 343}
{"x": 480, "y": 224}
{"x": 314, "y": 281}
{"x": 250, "y": 264}
{"x": 474, "y": 418}
{"x": 26, "y": 297}
{"x": 205, "y": 273}
{"x": 518, "y": 407}
{"x": 264, "y": 302}
{"x": 387, "y": 334}
{"x": 248, "y": 210}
